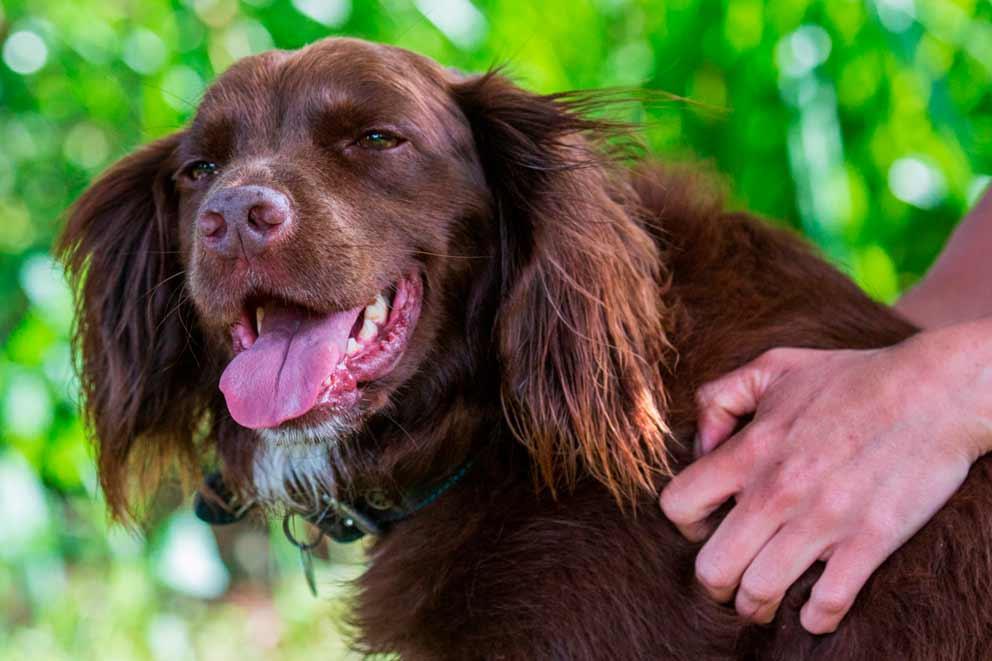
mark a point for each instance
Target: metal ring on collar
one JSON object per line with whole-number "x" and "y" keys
{"x": 308, "y": 546}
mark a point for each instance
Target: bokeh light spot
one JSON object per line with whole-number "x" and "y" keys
{"x": 246, "y": 38}
{"x": 896, "y": 15}
{"x": 459, "y": 20}
{"x": 43, "y": 282}
{"x": 86, "y": 146}
{"x": 802, "y": 51}
{"x": 23, "y": 510}
{"x": 326, "y": 12}
{"x": 25, "y": 52}
{"x": 144, "y": 51}
{"x": 16, "y": 230}
{"x": 631, "y": 64}
{"x": 216, "y": 13}
{"x": 188, "y": 559}
{"x": 27, "y": 407}
{"x": 181, "y": 88}
{"x": 916, "y": 182}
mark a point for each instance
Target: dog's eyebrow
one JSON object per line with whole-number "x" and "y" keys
{"x": 215, "y": 134}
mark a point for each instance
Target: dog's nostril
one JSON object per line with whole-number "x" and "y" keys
{"x": 211, "y": 224}
{"x": 265, "y": 215}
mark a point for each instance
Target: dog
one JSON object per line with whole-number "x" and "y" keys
{"x": 401, "y": 300}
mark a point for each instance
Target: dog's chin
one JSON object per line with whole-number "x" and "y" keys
{"x": 324, "y": 430}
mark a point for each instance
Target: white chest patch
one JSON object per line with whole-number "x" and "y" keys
{"x": 292, "y": 468}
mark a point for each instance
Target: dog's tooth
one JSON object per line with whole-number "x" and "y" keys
{"x": 353, "y": 347}
{"x": 377, "y": 310}
{"x": 369, "y": 330}
{"x": 259, "y": 315}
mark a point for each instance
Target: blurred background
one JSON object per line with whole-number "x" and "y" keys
{"x": 867, "y": 125}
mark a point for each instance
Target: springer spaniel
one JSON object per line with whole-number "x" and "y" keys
{"x": 399, "y": 300}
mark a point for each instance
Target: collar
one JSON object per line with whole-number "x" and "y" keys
{"x": 343, "y": 521}
{"x": 373, "y": 513}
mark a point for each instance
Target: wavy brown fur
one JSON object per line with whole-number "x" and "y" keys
{"x": 571, "y": 309}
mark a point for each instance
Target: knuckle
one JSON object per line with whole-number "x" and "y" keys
{"x": 817, "y": 624}
{"x": 831, "y": 601}
{"x": 759, "y": 590}
{"x": 761, "y": 439}
{"x": 672, "y": 504}
{"x": 712, "y": 575}
{"x": 785, "y": 492}
{"x": 774, "y": 358}
{"x": 704, "y": 395}
{"x": 834, "y": 508}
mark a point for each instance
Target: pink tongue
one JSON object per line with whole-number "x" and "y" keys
{"x": 280, "y": 377}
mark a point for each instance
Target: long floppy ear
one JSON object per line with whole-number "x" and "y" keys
{"x": 581, "y": 328}
{"x": 135, "y": 337}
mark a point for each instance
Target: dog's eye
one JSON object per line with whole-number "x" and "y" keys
{"x": 200, "y": 170}
{"x": 379, "y": 140}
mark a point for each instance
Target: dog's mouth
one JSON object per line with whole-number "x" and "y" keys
{"x": 291, "y": 362}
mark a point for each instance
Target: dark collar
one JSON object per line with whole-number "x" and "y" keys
{"x": 343, "y": 521}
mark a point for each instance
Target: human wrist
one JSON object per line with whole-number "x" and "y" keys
{"x": 959, "y": 357}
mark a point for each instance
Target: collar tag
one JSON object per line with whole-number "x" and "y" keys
{"x": 306, "y": 551}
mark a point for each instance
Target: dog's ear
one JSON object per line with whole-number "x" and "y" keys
{"x": 580, "y": 326}
{"x": 135, "y": 337}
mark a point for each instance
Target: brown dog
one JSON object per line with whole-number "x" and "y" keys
{"x": 400, "y": 300}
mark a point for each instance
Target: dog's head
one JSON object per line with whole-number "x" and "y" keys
{"x": 350, "y": 234}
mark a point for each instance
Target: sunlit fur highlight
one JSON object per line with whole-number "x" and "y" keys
{"x": 580, "y": 330}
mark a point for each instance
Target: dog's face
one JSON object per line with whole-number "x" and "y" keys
{"x": 354, "y": 251}
{"x": 313, "y": 189}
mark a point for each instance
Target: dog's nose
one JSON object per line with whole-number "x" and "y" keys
{"x": 244, "y": 220}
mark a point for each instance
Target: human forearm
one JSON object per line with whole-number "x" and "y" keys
{"x": 958, "y": 286}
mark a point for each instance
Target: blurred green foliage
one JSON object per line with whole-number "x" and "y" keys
{"x": 867, "y": 125}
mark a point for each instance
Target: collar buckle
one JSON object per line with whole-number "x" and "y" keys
{"x": 344, "y": 523}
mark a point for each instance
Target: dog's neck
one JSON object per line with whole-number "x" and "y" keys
{"x": 303, "y": 474}
{"x": 300, "y": 478}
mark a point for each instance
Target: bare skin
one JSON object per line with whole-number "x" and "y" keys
{"x": 849, "y": 452}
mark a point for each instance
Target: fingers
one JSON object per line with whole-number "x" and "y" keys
{"x": 702, "y": 487}
{"x": 722, "y": 402}
{"x": 697, "y": 491}
{"x": 779, "y": 563}
{"x": 848, "y": 569}
{"x": 733, "y": 547}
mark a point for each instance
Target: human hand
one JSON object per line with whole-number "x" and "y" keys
{"x": 848, "y": 455}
